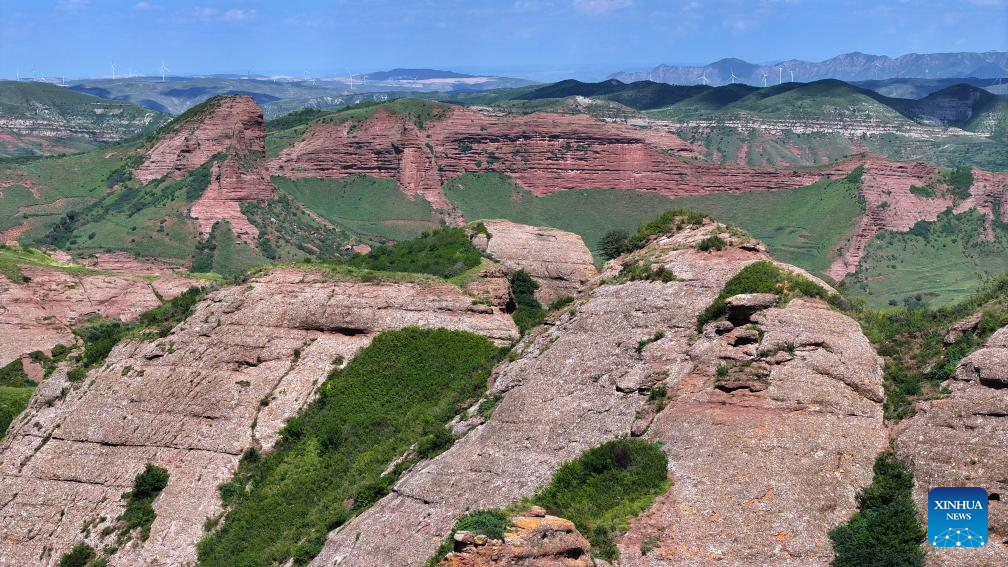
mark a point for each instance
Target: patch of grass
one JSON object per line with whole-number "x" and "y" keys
{"x": 527, "y": 312}
{"x": 805, "y": 226}
{"x": 911, "y": 340}
{"x": 665, "y": 223}
{"x": 491, "y": 523}
{"x": 12, "y": 256}
{"x": 642, "y": 344}
{"x": 762, "y": 277}
{"x": 642, "y": 271}
{"x": 604, "y": 488}
{"x": 444, "y": 253}
{"x": 885, "y": 530}
{"x": 960, "y": 181}
{"x": 560, "y": 303}
{"x": 328, "y": 464}
{"x": 941, "y": 261}
{"x": 589, "y": 213}
{"x": 370, "y": 206}
{"x": 225, "y": 254}
{"x": 712, "y": 242}
{"x": 13, "y": 401}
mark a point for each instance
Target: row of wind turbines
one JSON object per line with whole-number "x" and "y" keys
{"x": 763, "y": 72}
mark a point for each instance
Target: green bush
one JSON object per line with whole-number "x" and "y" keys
{"x": 82, "y": 555}
{"x": 712, "y": 242}
{"x": 667, "y": 222}
{"x": 762, "y": 277}
{"x": 139, "y": 513}
{"x": 527, "y": 312}
{"x": 491, "y": 523}
{"x": 960, "y": 181}
{"x": 328, "y": 464}
{"x": 885, "y": 531}
{"x": 614, "y": 243}
{"x": 855, "y": 175}
{"x": 606, "y": 486}
{"x": 445, "y": 253}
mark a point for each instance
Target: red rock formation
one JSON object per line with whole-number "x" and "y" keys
{"x": 231, "y": 124}
{"x": 37, "y": 315}
{"x": 889, "y": 204}
{"x": 544, "y": 152}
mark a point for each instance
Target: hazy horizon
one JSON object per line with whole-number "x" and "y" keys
{"x": 587, "y": 39}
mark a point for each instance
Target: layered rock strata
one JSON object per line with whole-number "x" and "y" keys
{"x": 787, "y": 453}
{"x": 224, "y": 380}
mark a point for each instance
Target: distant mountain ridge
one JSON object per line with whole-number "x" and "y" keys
{"x": 399, "y": 74}
{"x": 854, "y": 66}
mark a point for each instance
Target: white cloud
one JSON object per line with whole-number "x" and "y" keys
{"x": 230, "y": 15}
{"x": 141, "y": 6}
{"x": 598, "y": 7}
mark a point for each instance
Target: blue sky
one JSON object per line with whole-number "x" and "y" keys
{"x": 544, "y": 39}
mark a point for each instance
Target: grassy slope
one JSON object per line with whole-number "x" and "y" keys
{"x": 587, "y": 212}
{"x": 801, "y": 226}
{"x": 363, "y": 204}
{"x": 398, "y": 391}
{"x": 15, "y": 390}
{"x": 942, "y": 261}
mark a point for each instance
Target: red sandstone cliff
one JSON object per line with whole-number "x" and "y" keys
{"x": 544, "y": 152}
{"x": 228, "y": 124}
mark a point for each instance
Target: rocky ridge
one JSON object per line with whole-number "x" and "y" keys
{"x": 224, "y": 380}
{"x": 38, "y": 314}
{"x": 808, "y": 408}
{"x": 227, "y": 124}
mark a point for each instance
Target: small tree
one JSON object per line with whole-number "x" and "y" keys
{"x": 614, "y": 243}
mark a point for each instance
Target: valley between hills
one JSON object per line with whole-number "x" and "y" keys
{"x": 574, "y": 324}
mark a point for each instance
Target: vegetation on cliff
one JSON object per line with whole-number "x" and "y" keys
{"x": 444, "y": 253}
{"x": 763, "y": 277}
{"x": 395, "y": 394}
{"x": 527, "y": 312}
{"x": 885, "y": 531}
{"x": 15, "y": 390}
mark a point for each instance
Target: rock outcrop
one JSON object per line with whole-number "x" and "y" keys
{"x": 230, "y": 124}
{"x": 543, "y": 152}
{"x": 787, "y": 457}
{"x": 962, "y": 440}
{"x": 890, "y": 205}
{"x": 38, "y": 314}
{"x": 557, "y": 260}
{"x": 535, "y": 539}
{"x": 223, "y": 381}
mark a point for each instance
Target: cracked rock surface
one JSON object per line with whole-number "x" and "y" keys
{"x": 224, "y": 380}
{"x": 789, "y": 457}
{"x": 962, "y": 440}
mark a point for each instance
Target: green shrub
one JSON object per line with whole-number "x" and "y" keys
{"x": 445, "y": 253}
{"x": 960, "y": 181}
{"x": 667, "y": 222}
{"x": 638, "y": 271}
{"x": 614, "y": 243}
{"x": 526, "y": 312}
{"x": 82, "y": 555}
{"x": 712, "y": 242}
{"x": 329, "y": 461}
{"x": 491, "y": 523}
{"x": 562, "y": 302}
{"x": 885, "y": 531}
{"x": 855, "y": 175}
{"x": 606, "y": 486}
{"x": 762, "y": 277}
{"x": 139, "y": 513}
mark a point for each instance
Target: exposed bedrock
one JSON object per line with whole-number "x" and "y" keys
{"x": 785, "y": 451}
{"x": 226, "y": 379}
{"x": 962, "y": 440}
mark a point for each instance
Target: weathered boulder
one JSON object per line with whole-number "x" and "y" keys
{"x": 557, "y": 260}
{"x": 534, "y": 540}
{"x": 225, "y": 380}
{"x": 962, "y": 440}
{"x": 787, "y": 459}
{"x": 742, "y": 307}
{"x": 38, "y": 314}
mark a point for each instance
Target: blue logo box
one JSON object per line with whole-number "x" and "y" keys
{"x": 957, "y": 517}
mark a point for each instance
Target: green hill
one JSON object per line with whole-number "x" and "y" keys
{"x": 40, "y": 118}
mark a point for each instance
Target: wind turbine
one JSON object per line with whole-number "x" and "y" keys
{"x": 763, "y": 71}
{"x": 163, "y": 70}
{"x": 792, "y": 74}
{"x": 780, "y": 75}
{"x": 703, "y": 77}
{"x": 733, "y": 77}
{"x": 113, "y": 71}
{"x": 351, "y": 80}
